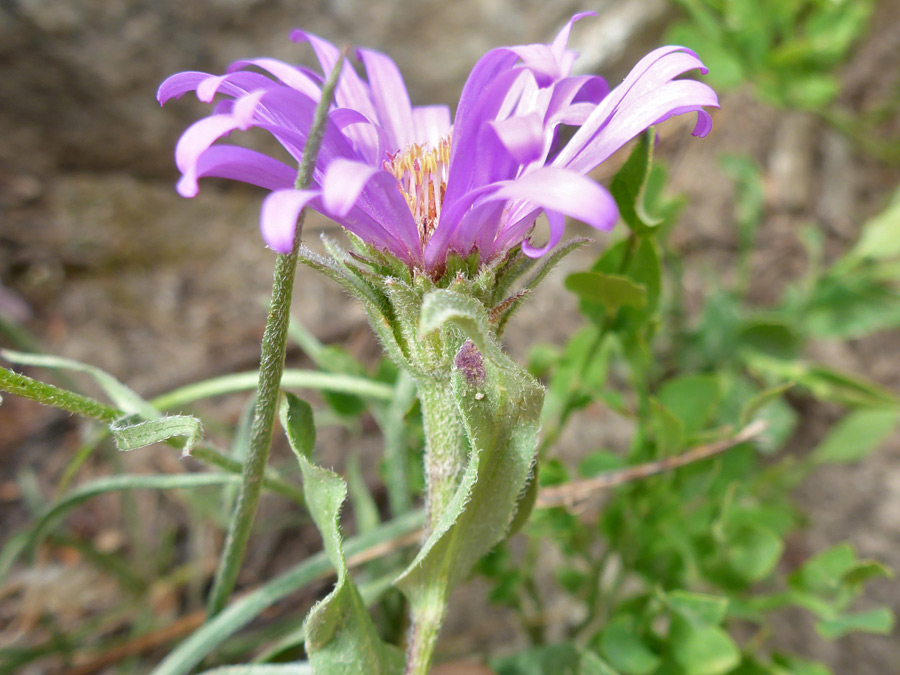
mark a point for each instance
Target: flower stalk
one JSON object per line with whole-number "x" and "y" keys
{"x": 274, "y": 345}
{"x": 445, "y": 447}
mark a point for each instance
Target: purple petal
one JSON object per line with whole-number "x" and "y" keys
{"x": 348, "y": 185}
{"x": 351, "y": 91}
{"x": 558, "y": 46}
{"x": 193, "y": 143}
{"x": 179, "y": 84}
{"x": 431, "y": 124}
{"x": 523, "y": 137}
{"x": 477, "y": 157}
{"x": 565, "y": 191}
{"x": 390, "y": 97}
{"x": 278, "y": 218}
{"x": 234, "y": 84}
{"x": 646, "y": 96}
{"x": 247, "y": 166}
{"x": 557, "y": 226}
{"x": 292, "y": 76}
{"x": 343, "y": 182}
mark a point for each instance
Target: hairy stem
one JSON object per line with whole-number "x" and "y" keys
{"x": 270, "y": 371}
{"x": 446, "y": 454}
{"x": 446, "y": 448}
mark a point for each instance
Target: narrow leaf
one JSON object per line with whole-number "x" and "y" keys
{"x": 131, "y": 434}
{"x": 340, "y": 635}
{"x": 857, "y": 435}
{"x": 121, "y": 396}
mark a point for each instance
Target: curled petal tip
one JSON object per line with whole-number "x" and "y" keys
{"x": 187, "y": 186}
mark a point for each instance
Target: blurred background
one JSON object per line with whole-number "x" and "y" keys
{"x": 101, "y": 261}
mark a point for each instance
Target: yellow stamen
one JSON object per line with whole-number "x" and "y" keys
{"x": 422, "y": 180}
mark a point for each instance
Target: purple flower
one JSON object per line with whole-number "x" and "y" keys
{"x": 407, "y": 180}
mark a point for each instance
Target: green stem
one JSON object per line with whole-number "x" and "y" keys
{"x": 48, "y": 394}
{"x": 446, "y": 447}
{"x": 270, "y": 371}
{"x": 427, "y": 616}
{"x": 446, "y": 454}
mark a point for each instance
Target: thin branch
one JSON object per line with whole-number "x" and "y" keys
{"x": 570, "y": 493}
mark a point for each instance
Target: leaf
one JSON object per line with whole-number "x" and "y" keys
{"x": 857, "y": 435}
{"x": 698, "y": 607}
{"x": 340, "y": 633}
{"x": 131, "y": 433}
{"x": 612, "y": 291}
{"x": 823, "y": 382}
{"x": 499, "y": 406}
{"x": 559, "y": 659}
{"x": 625, "y": 651}
{"x": 691, "y": 399}
{"x": 629, "y": 186}
{"x": 441, "y": 306}
{"x": 702, "y": 649}
{"x": 760, "y": 401}
{"x": 299, "y": 426}
{"x": 753, "y": 551}
{"x": 880, "y": 620}
{"x": 291, "y": 379}
{"x": 242, "y": 611}
{"x": 880, "y": 238}
{"x": 668, "y": 429}
{"x": 851, "y": 303}
{"x": 121, "y": 396}
{"x": 772, "y": 338}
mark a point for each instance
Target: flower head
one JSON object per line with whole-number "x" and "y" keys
{"x": 409, "y": 181}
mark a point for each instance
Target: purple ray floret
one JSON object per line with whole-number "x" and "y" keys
{"x": 408, "y": 180}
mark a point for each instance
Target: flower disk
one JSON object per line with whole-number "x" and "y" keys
{"x": 388, "y": 171}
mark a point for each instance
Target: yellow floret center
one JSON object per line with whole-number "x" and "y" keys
{"x": 421, "y": 174}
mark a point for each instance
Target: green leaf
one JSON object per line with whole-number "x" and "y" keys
{"x": 823, "y": 382}
{"x": 340, "y": 633}
{"x": 625, "y": 650}
{"x": 880, "y": 238}
{"x": 442, "y": 306}
{"x": 297, "y": 421}
{"x": 242, "y": 611}
{"x": 880, "y": 620}
{"x": 702, "y": 649}
{"x": 121, "y": 396}
{"x": 851, "y": 303}
{"x": 772, "y": 338}
{"x": 131, "y": 433}
{"x": 629, "y": 186}
{"x": 825, "y": 573}
{"x": 668, "y": 429}
{"x": 691, "y": 399}
{"x": 753, "y": 551}
{"x": 760, "y": 401}
{"x": 857, "y": 435}
{"x": 612, "y": 291}
{"x": 500, "y": 409}
{"x": 599, "y": 462}
{"x": 291, "y": 379}
{"x": 559, "y": 659}
{"x": 794, "y": 665}
{"x": 698, "y": 607}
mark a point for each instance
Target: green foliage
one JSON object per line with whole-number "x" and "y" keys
{"x": 718, "y": 526}
{"x": 340, "y": 634}
{"x": 787, "y": 48}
